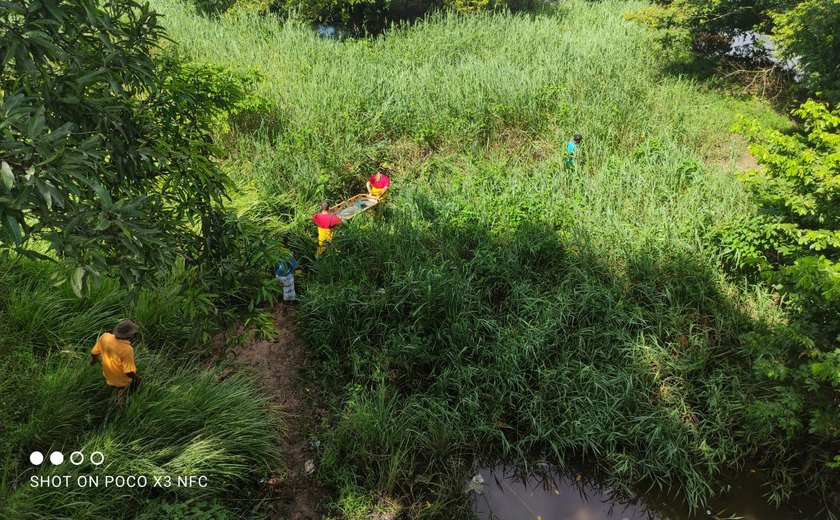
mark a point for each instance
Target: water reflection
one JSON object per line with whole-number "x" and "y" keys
{"x": 505, "y": 495}
{"x": 331, "y": 32}
{"x": 757, "y": 46}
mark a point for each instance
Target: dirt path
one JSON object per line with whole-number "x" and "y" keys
{"x": 280, "y": 365}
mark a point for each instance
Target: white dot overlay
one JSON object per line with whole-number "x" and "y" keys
{"x": 76, "y": 458}
{"x": 36, "y": 458}
{"x": 56, "y": 458}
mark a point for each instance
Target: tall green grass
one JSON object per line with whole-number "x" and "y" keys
{"x": 185, "y": 419}
{"x": 181, "y": 421}
{"x": 527, "y": 347}
{"x": 507, "y": 306}
{"x": 39, "y": 317}
{"x": 451, "y": 84}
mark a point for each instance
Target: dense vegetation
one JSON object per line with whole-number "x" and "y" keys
{"x": 800, "y": 30}
{"x": 610, "y": 315}
{"x": 110, "y": 184}
{"x": 361, "y": 17}
{"x": 793, "y": 244}
{"x": 107, "y": 155}
{"x": 499, "y": 280}
{"x": 182, "y": 420}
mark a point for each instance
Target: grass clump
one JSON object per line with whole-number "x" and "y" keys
{"x": 467, "y": 344}
{"x": 183, "y": 420}
{"x": 180, "y": 422}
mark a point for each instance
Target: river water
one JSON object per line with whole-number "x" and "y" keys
{"x": 555, "y": 497}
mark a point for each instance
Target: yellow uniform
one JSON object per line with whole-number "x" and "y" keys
{"x": 326, "y": 222}
{"x": 377, "y": 186}
{"x": 324, "y": 235}
{"x": 376, "y": 191}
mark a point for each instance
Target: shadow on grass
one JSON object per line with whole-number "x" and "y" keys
{"x": 453, "y": 342}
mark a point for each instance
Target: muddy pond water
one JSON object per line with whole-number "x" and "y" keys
{"x": 505, "y": 496}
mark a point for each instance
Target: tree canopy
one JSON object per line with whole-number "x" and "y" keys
{"x": 811, "y": 31}
{"x": 105, "y": 151}
{"x": 794, "y": 244}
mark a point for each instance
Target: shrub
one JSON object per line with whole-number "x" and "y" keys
{"x": 374, "y": 16}
{"x": 213, "y": 7}
{"x": 793, "y": 244}
{"x": 467, "y": 341}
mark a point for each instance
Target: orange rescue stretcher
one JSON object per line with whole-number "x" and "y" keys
{"x": 353, "y": 206}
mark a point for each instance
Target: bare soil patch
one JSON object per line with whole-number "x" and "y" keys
{"x": 280, "y": 365}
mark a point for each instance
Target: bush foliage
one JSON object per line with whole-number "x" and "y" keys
{"x": 361, "y": 17}
{"x": 793, "y": 243}
{"x": 106, "y": 153}
{"x": 504, "y": 304}
{"x": 183, "y": 419}
{"x": 802, "y": 30}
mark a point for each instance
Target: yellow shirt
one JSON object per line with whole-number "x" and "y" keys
{"x": 117, "y": 359}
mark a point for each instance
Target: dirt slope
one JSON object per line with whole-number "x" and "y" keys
{"x": 280, "y": 365}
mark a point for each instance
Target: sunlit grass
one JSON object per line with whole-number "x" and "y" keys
{"x": 183, "y": 420}
{"x": 506, "y": 306}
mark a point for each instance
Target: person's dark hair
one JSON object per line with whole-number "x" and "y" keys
{"x": 325, "y": 205}
{"x": 125, "y": 329}
{"x": 578, "y": 138}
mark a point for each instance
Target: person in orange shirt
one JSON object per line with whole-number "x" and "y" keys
{"x": 326, "y": 222}
{"x": 117, "y": 358}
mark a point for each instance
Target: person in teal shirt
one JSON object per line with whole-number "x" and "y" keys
{"x": 571, "y": 149}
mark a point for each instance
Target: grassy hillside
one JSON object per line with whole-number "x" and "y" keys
{"x": 453, "y": 92}
{"x": 508, "y": 306}
{"x": 504, "y": 305}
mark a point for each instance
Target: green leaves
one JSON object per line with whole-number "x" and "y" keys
{"x": 794, "y": 243}
{"x": 105, "y": 141}
{"x": 803, "y": 31}
{"x": 76, "y": 280}
{"x": 7, "y": 176}
{"x": 808, "y": 31}
{"x": 13, "y": 226}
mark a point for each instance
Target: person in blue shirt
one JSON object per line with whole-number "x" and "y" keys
{"x": 284, "y": 271}
{"x": 571, "y": 149}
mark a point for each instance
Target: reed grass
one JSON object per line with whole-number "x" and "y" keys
{"x": 507, "y": 305}
{"x": 526, "y": 347}
{"x": 183, "y": 420}
{"x": 454, "y": 84}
